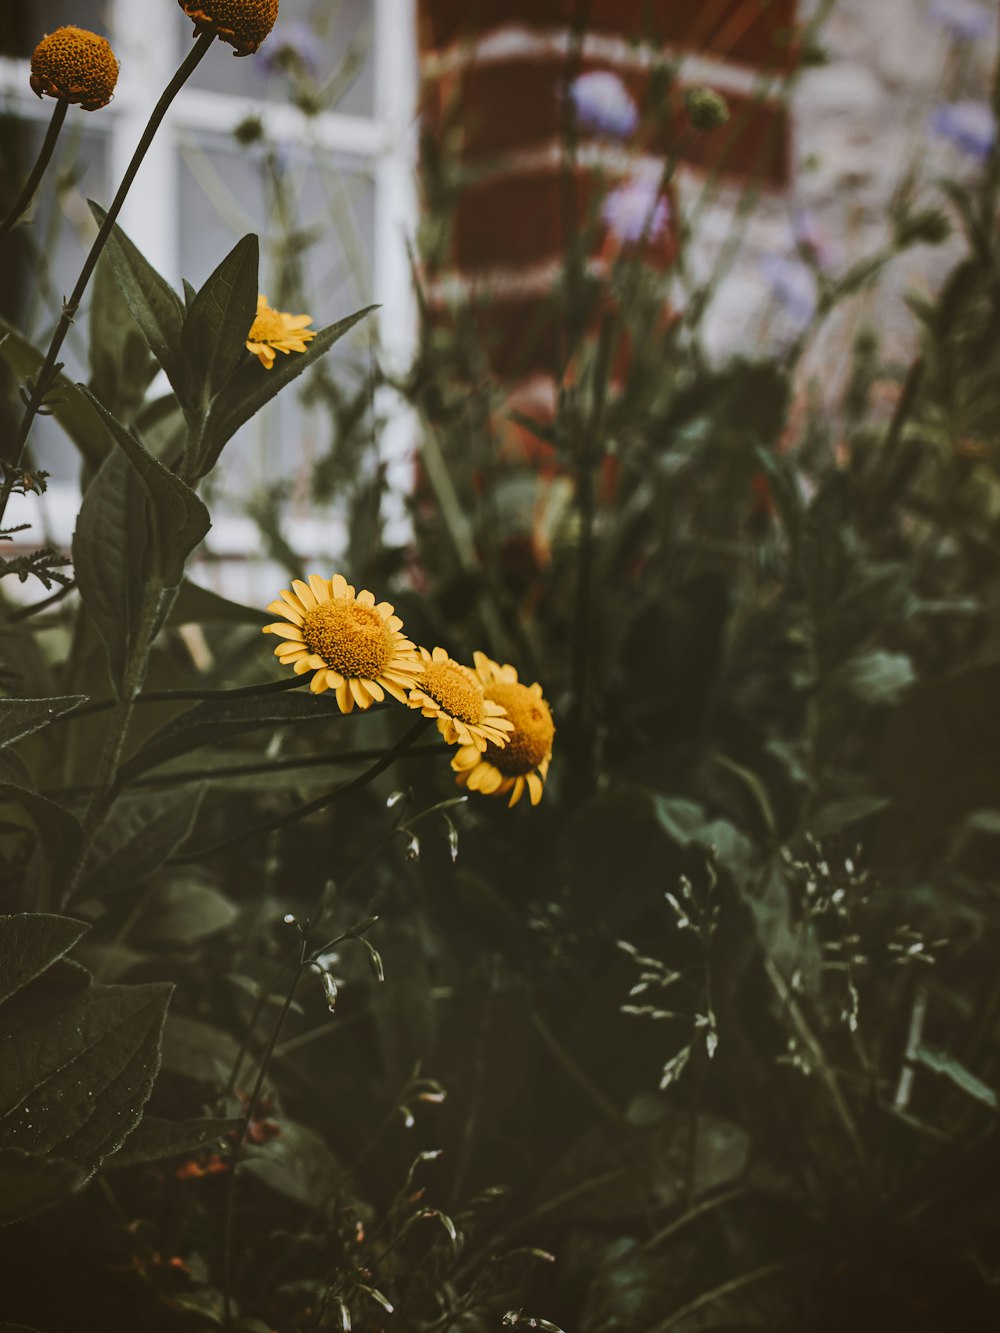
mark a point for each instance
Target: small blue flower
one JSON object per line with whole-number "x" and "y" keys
{"x": 969, "y": 125}
{"x": 604, "y": 104}
{"x": 296, "y": 41}
{"x": 792, "y": 284}
{"x": 964, "y": 20}
{"x": 636, "y": 209}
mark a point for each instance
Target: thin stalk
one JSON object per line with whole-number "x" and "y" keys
{"x": 290, "y": 763}
{"x": 717, "y": 1293}
{"x": 38, "y": 170}
{"x": 227, "y": 1234}
{"x": 26, "y": 612}
{"x": 311, "y": 807}
{"x": 48, "y": 371}
{"x": 178, "y": 696}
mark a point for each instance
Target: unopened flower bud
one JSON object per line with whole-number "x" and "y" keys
{"x": 706, "y": 109}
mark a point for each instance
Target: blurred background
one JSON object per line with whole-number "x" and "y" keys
{"x": 840, "y": 110}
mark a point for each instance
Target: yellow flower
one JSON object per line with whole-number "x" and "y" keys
{"x": 76, "y": 66}
{"x": 242, "y": 23}
{"x": 454, "y": 695}
{"x": 274, "y": 331}
{"x": 353, "y": 644}
{"x": 524, "y": 760}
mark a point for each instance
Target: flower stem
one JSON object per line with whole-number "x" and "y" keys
{"x": 48, "y": 371}
{"x": 310, "y": 807}
{"x": 38, "y": 170}
{"x": 178, "y": 696}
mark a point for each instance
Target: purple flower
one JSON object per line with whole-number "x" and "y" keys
{"x": 293, "y": 41}
{"x": 636, "y": 209}
{"x": 810, "y": 240}
{"x": 965, "y": 20}
{"x": 604, "y": 104}
{"x": 969, "y": 125}
{"x": 792, "y": 284}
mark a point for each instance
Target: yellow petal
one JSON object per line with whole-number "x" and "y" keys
{"x": 284, "y": 631}
{"x": 516, "y": 794}
{"x": 492, "y": 781}
{"x": 366, "y": 598}
{"x": 361, "y": 696}
{"x": 319, "y": 587}
{"x": 375, "y": 690}
{"x": 304, "y": 594}
{"x": 345, "y": 699}
{"x": 385, "y": 610}
{"x": 318, "y": 683}
{"x": 302, "y": 666}
{"x": 291, "y": 600}
{"x": 534, "y": 787}
{"x": 394, "y": 623}
{"x": 281, "y": 608}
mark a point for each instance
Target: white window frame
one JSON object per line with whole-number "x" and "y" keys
{"x": 381, "y": 146}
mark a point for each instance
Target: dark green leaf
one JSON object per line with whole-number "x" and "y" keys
{"x": 219, "y": 320}
{"x": 74, "y": 412}
{"x": 76, "y": 1072}
{"x": 210, "y": 722}
{"x": 940, "y": 1062}
{"x": 28, "y": 1184}
{"x": 180, "y": 519}
{"x": 109, "y": 553}
{"x": 199, "y": 605}
{"x": 154, "y": 304}
{"x": 141, "y": 834}
{"x": 20, "y": 717}
{"x": 183, "y": 911}
{"x": 31, "y": 942}
{"x": 298, "y": 1165}
{"x": 120, "y": 365}
{"x": 197, "y": 1050}
{"x": 59, "y": 832}
{"x": 251, "y": 387}
{"x": 155, "y": 1139}
{"x": 841, "y": 814}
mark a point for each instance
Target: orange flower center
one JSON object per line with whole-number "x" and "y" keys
{"x": 456, "y": 689}
{"x": 268, "y": 327}
{"x": 350, "y": 638}
{"x": 242, "y": 23}
{"x": 76, "y": 66}
{"x": 531, "y": 740}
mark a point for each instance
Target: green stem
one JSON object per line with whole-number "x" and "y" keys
{"x": 178, "y": 696}
{"x": 48, "y": 371}
{"x": 38, "y": 170}
{"x": 310, "y": 807}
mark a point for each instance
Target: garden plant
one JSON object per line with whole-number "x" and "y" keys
{"x": 583, "y": 915}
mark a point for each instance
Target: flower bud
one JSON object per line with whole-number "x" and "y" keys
{"x": 706, "y": 109}
{"x": 76, "y": 66}
{"x": 242, "y": 23}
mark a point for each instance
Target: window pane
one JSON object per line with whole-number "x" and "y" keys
{"x": 334, "y": 39}
{"x": 314, "y": 215}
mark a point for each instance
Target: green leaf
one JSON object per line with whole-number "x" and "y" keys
{"x": 154, "y": 304}
{"x": 29, "y": 1183}
{"x": 199, "y": 1051}
{"x": 20, "y": 717}
{"x": 184, "y": 911}
{"x": 76, "y": 1072}
{"x": 298, "y": 1165}
{"x": 142, "y": 834}
{"x": 199, "y": 605}
{"x": 109, "y": 553}
{"x": 71, "y": 408}
{"x": 156, "y": 1139}
{"x": 842, "y": 814}
{"x": 59, "y": 832}
{"x": 210, "y": 722}
{"x": 940, "y": 1062}
{"x": 120, "y": 365}
{"x": 220, "y": 317}
{"x": 31, "y": 942}
{"x": 180, "y": 519}
{"x": 252, "y": 387}
{"x": 679, "y": 819}
{"x": 877, "y": 677}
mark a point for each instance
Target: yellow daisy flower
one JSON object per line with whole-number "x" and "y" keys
{"x": 274, "y": 331}
{"x": 75, "y": 66}
{"x": 454, "y": 695}
{"x": 524, "y": 760}
{"x": 352, "y": 643}
{"x": 242, "y": 23}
